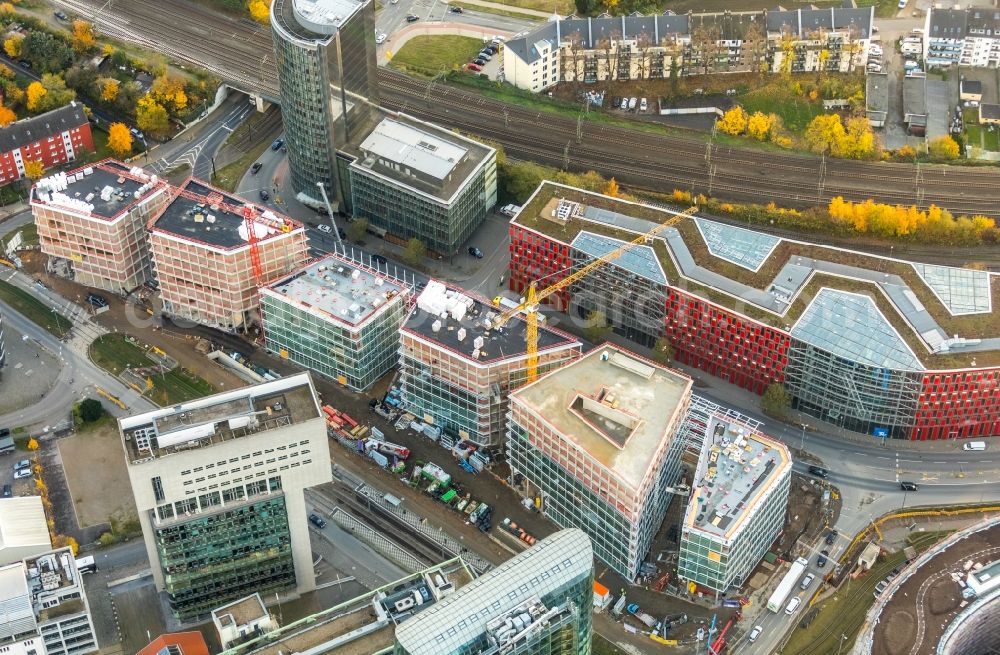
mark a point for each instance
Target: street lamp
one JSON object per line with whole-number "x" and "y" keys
{"x": 802, "y": 443}
{"x": 843, "y": 638}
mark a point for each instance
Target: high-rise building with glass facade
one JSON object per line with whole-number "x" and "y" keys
{"x": 739, "y": 495}
{"x": 338, "y": 318}
{"x": 597, "y": 440}
{"x": 539, "y": 602}
{"x": 219, "y": 484}
{"x": 325, "y": 54}
{"x": 416, "y": 180}
{"x": 457, "y": 372}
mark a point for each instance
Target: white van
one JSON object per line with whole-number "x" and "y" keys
{"x": 642, "y": 104}
{"x": 974, "y": 445}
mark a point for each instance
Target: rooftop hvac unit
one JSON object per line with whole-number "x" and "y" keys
{"x": 436, "y": 326}
{"x": 461, "y": 334}
{"x": 478, "y": 343}
{"x": 379, "y": 281}
{"x": 356, "y": 274}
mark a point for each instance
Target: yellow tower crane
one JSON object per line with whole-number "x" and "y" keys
{"x": 533, "y": 297}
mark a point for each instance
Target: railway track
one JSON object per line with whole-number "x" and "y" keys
{"x": 240, "y": 52}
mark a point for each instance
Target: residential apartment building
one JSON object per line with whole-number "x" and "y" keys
{"x": 657, "y": 47}
{"x": 327, "y": 77}
{"x": 737, "y": 506}
{"x": 963, "y": 37}
{"x": 92, "y": 221}
{"x": 457, "y": 371}
{"x": 202, "y": 255}
{"x": 219, "y": 485}
{"x": 845, "y": 355}
{"x": 54, "y": 138}
{"x": 416, "y": 180}
{"x": 24, "y": 530}
{"x": 598, "y": 440}
{"x": 338, "y": 318}
{"x": 540, "y": 602}
{"x": 44, "y": 607}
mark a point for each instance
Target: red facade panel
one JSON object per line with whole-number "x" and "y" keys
{"x": 958, "y": 405}
{"x": 536, "y": 257}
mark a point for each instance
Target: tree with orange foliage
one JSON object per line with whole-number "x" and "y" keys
{"x": 6, "y": 116}
{"x": 34, "y": 169}
{"x": 109, "y": 89}
{"x": 259, "y": 11}
{"x": 611, "y": 188}
{"x": 119, "y": 139}
{"x": 82, "y": 39}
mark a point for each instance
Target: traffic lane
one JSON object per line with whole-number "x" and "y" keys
{"x": 211, "y": 142}
{"x": 492, "y": 21}
{"x": 265, "y": 179}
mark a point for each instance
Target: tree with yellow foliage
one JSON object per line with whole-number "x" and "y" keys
{"x": 82, "y": 39}
{"x": 169, "y": 89}
{"x": 5, "y": 72}
{"x": 824, "y": 133}
{"x": 6, "y": 116}
{"x": 759, "y": 125}
{"x": 32, "y": 444}
{"x": 12, "y": 45}
{"x": 107, "y": 50}
{"x": 109, "y": 89}
{"x": 151, "y": 116}
{"x": 733, "y": 122}
{"x": 611, "y": 188}
{"x": 119, "y": 139}
{"x": 859, "y": 140}
{"x": 6, "y": 8}
{"x": 259, "y": 11}
{"x": 943, "y": 147}
{"x": 36, "y": 94}
{"x": 34, "y": 169}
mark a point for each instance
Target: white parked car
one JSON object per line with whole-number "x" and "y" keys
{"x": 22, "y": 473}
{"x": 806, "y": 581}
{"x": 755, "y": 633}
{"x": 794, "y": 605}
{"x": 324, "y": 228}
{"x": 381, "y": 37}
{"x": 642, "y": 104}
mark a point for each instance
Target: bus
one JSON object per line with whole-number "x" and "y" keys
{"x": 86, "y": 564}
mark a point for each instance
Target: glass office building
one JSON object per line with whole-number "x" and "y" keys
{"x": 597, "y": 440}
{"x": 537, "y": 603}
{"x": 338, "y": 318}
{"x": 416, "y": 180}
{"x": 325, "y": 54}
{"x": 739, "y": 495}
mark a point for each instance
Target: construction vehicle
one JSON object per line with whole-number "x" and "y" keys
{"x": 777, "y": 600}
{"x": 634, "y": 610}
{"x": 388, "y": 448}
{"x": 534, "y": 296}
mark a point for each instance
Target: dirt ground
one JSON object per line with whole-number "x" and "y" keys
{"x": 930, "y": 597}
{"x": 94, "y": 466}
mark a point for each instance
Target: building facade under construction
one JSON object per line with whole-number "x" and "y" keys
{"x": 598, "y": 441}
{"x": 204, "y": 255}
{"x": 457, "y": 368}
{"x": 338, "y": 318}
{"x": 92, "y": 223}
{"x": 219, "y": 486}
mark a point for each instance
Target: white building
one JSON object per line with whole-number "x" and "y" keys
{"x": 219, "y": 484}
{"x": 966, "y": 37}
{"x": 44, "y": 607}
{"x": 242, "y": 619}
{"x": 24, "y": 531}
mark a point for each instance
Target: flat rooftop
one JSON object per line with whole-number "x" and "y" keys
{"x": 338, "y": 288}
{"x": 240, "y": 612}
{"x": 618, "y": 408}
{"x": 103, "y": 190}
{"x": 362, "y": 625}
{"x": 325, "y": 16}
{"x": 939, "y": 314}
{"x": 736, "y": 468}
{"x": 464, "y": 328}
{"x": 215, "y": 218}
{"x": 422, "y": 156}
{"x": 15, "y": 599}
{"x": 23, "y": 523}
{"x": 208, "y": 421}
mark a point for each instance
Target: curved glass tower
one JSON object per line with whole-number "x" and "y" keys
{"x": 3, "y": 351}
{"x": 325, "y": 53}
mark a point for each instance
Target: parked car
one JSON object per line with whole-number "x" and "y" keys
{"x": 317, "y": 520}
{"x": 908, "y": 486}
{"x": 61, "y": 16}
{"x": 793, "y": 605}
{"x": 7, "y": 491}
{"x": 632, "y": 102}
{"x": 819, "y": 471}
{"x": 137, "y": 133}
{"x": 256, "y": 167}
{"x": 412, "y": 19}
{"x": 642, "y": 104}
{"x": 823, "y": 558}
{"x": 23, "y": 464}
{"x": 277, "y": 144}
{"x": 264, "y": 195}
{"x": 479, "y": 61}
{"x": 475, "y": 252}
{"x": 455, "y": 10}
{"x": 474, "y": 67}
{"x": 808, "y": 580}
{"x": 96, "y": 300}
{"x": 20, "y": 474}
{"x": 974, "y": 445}
{"x": 381, "y": 37}
{"x": 325, "y": 228}
{"x": 831, "y": 537}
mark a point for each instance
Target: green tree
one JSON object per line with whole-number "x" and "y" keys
{"x": 91, "y": 410}
{"x": 47, "y": 53}
{"x": 415, "y": 251}
{"x": 356, "y": 230}
{"x": 663, "y": 350}
{"x": 596, "y": 328}
{"x": 518, "y": 180}
{"x": 776, "y": 401}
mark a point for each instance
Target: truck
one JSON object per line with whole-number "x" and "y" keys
{"x": 432, "y": 471}
{"x": 634, "y": 610}
{"x": 776, "y": 602}
{"x": 388, "y": 448}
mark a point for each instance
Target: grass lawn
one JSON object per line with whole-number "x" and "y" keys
{"x": 795, "y": 111}
{"x": 230, "y": 175}
{"x": 972, "y": 135}
{"x": 29, "y": 236}
{"x": 991, "y": 140}
{"x": 113, "y": 353}
{"x": 34, "y": 310}
{"x": 844, "y": 613}
{"x": 430, "y": 55}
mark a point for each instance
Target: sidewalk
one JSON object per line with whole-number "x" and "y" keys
{"x": 512, "y": 8}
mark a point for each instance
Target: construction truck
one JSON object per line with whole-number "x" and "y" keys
{"x": 777, "y": 600}
{"x": 634, "y": 610}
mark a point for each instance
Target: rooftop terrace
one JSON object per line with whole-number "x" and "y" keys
{"x": 616, "y": 407}
{"x": 338, "y": 289}
{"x": 420, "y": 155}
{"x": 461, "y": 323}
{"x": 736, "y": 467}
{"x": 208, "y": 421}
{"x": 103, "y": 190}
{"x": 215, "y": 218}
{"x": 774, "y": 280}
